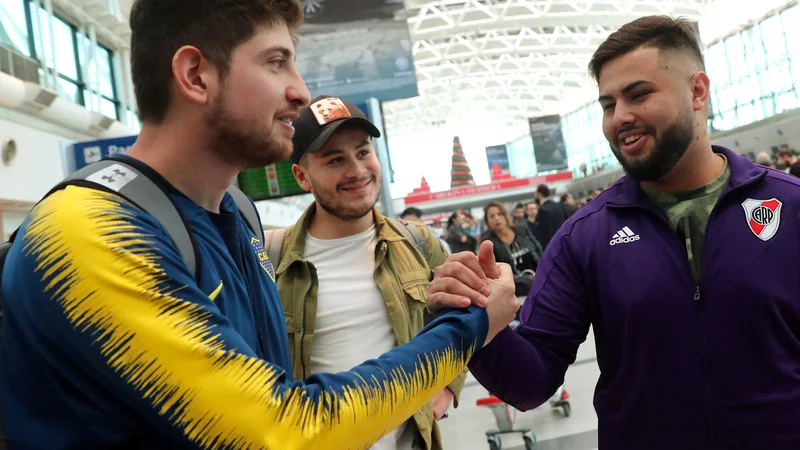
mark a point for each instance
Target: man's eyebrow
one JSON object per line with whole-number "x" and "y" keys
{"x": 284, "y": 51}
{"x": 338, "y": 151}
{"x": 625, "y": 90}
{"x": 331, "y": 152}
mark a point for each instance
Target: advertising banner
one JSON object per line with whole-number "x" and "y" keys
{"x": 513, "y": 183}
{"x": 357, "y": 49}
{"x": 497, "y": 158}
{"x": 548, "y": 143}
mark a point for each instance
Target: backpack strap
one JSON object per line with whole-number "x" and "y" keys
{"x": 274, "y": 244}
{"x": 5, "y": 247}
{"x": 248, "y": 210}
{"x": 412, "y": 234}
{"x": 128, "y": 182}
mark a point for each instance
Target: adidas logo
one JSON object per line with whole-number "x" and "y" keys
{"x": 624, "y": 236}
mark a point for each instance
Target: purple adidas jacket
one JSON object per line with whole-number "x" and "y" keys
{"x": 713, "y": 365}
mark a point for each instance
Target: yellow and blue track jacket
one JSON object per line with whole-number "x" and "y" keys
{"x": 109, "y": 342}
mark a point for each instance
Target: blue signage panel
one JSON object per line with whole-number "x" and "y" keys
{"x": 85, "y": 153}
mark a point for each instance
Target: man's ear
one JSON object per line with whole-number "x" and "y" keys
{"x": 701, "y": 90}
{"x": 301, "y": 175}
{"x": 197, "y": 80}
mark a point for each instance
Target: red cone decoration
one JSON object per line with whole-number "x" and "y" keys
{"x": 460, "y": 174}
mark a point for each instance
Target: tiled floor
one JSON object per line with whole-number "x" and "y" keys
{"x": 466, "y": 427}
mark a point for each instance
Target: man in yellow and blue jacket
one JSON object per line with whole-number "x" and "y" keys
{"x": 109, "y": 341}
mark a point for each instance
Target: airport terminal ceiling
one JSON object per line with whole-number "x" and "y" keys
{"x": 502, "y": 62}
{"x": 497, "y": 63}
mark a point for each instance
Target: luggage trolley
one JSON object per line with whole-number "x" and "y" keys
{"x": 505, "y": 420}
{"x": 503, "y": 416}
{"x": 505, "y": 424}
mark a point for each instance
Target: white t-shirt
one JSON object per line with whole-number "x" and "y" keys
{"x": 352, "y": 323}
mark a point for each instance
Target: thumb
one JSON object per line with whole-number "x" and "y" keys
{"x": 505, "y": 272}
{"x": 487, "y": 261}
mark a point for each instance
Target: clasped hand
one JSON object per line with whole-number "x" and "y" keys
{"x": 466, "y": 279}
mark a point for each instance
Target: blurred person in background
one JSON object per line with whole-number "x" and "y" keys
{"x": 794, "y": 170}
{"x": 551, "y": 215}
{"x": 519, "y": 213}
{"x": 765, "y": 160}
{"x": 786, "y": 158}
{"x": 568, "y": 203}
{"x": 532, "y": 212}
{"x": 514, "y": 245}
{"x": 471, "y": 226}
{"x": 457, "y": 237}
{"x": 412, "y": 214}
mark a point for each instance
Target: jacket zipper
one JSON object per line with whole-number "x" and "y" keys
{"x": 697, "y": 298}
{"x": 697, "y": 294}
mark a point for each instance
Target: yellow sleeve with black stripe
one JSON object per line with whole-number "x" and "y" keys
{"x": 115, "y": 296}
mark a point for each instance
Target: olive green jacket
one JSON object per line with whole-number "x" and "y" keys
{"x": 402, "y": 275}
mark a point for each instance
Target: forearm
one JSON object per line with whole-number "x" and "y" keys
{"x": 396, "y": 385}
{"x": 516, "y": 371}
{"x": 250, "y": 401}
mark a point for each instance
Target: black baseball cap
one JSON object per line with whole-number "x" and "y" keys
{"x": 317, "y": 123}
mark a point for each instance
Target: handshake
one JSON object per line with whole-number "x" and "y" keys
{"x": 466, "y": 279}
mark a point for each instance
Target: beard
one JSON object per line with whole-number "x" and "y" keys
{"x": 244, "y": 141}
{"x": 336, "y": 207}
{"x": 667, "y": 150}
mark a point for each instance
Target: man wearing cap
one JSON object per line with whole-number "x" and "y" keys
{"x": 352, "y": 286}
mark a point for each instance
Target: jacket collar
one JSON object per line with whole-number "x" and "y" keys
{"x": 296, "y": 235}
{"x": 629, "y": 191}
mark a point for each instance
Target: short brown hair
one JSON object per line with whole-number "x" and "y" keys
{"x": 661, "y": 32}
{"x": 501, "y": 207}
{"x": 215, "y": 27}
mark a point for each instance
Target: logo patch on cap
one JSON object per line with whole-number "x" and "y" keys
{"x": 329, "y": 109}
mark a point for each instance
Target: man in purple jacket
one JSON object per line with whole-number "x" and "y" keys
{"x": 684, "y": 268}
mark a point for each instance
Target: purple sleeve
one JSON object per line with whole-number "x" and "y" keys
{"x": 524, "y": 367}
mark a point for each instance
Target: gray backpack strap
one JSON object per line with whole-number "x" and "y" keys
{"x": 146, "y": 194}
{"x": 273, "y": 241}
{"x": 248, "y": 210}
{"x": 412, "y": 234}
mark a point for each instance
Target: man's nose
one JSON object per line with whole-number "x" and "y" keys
{"x": 354, "y": 168}
{"x": 297, "y": 92}
{"x": 622, "y": 116}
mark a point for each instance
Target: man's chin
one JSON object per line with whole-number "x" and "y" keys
{"x": 267, "y": 156}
